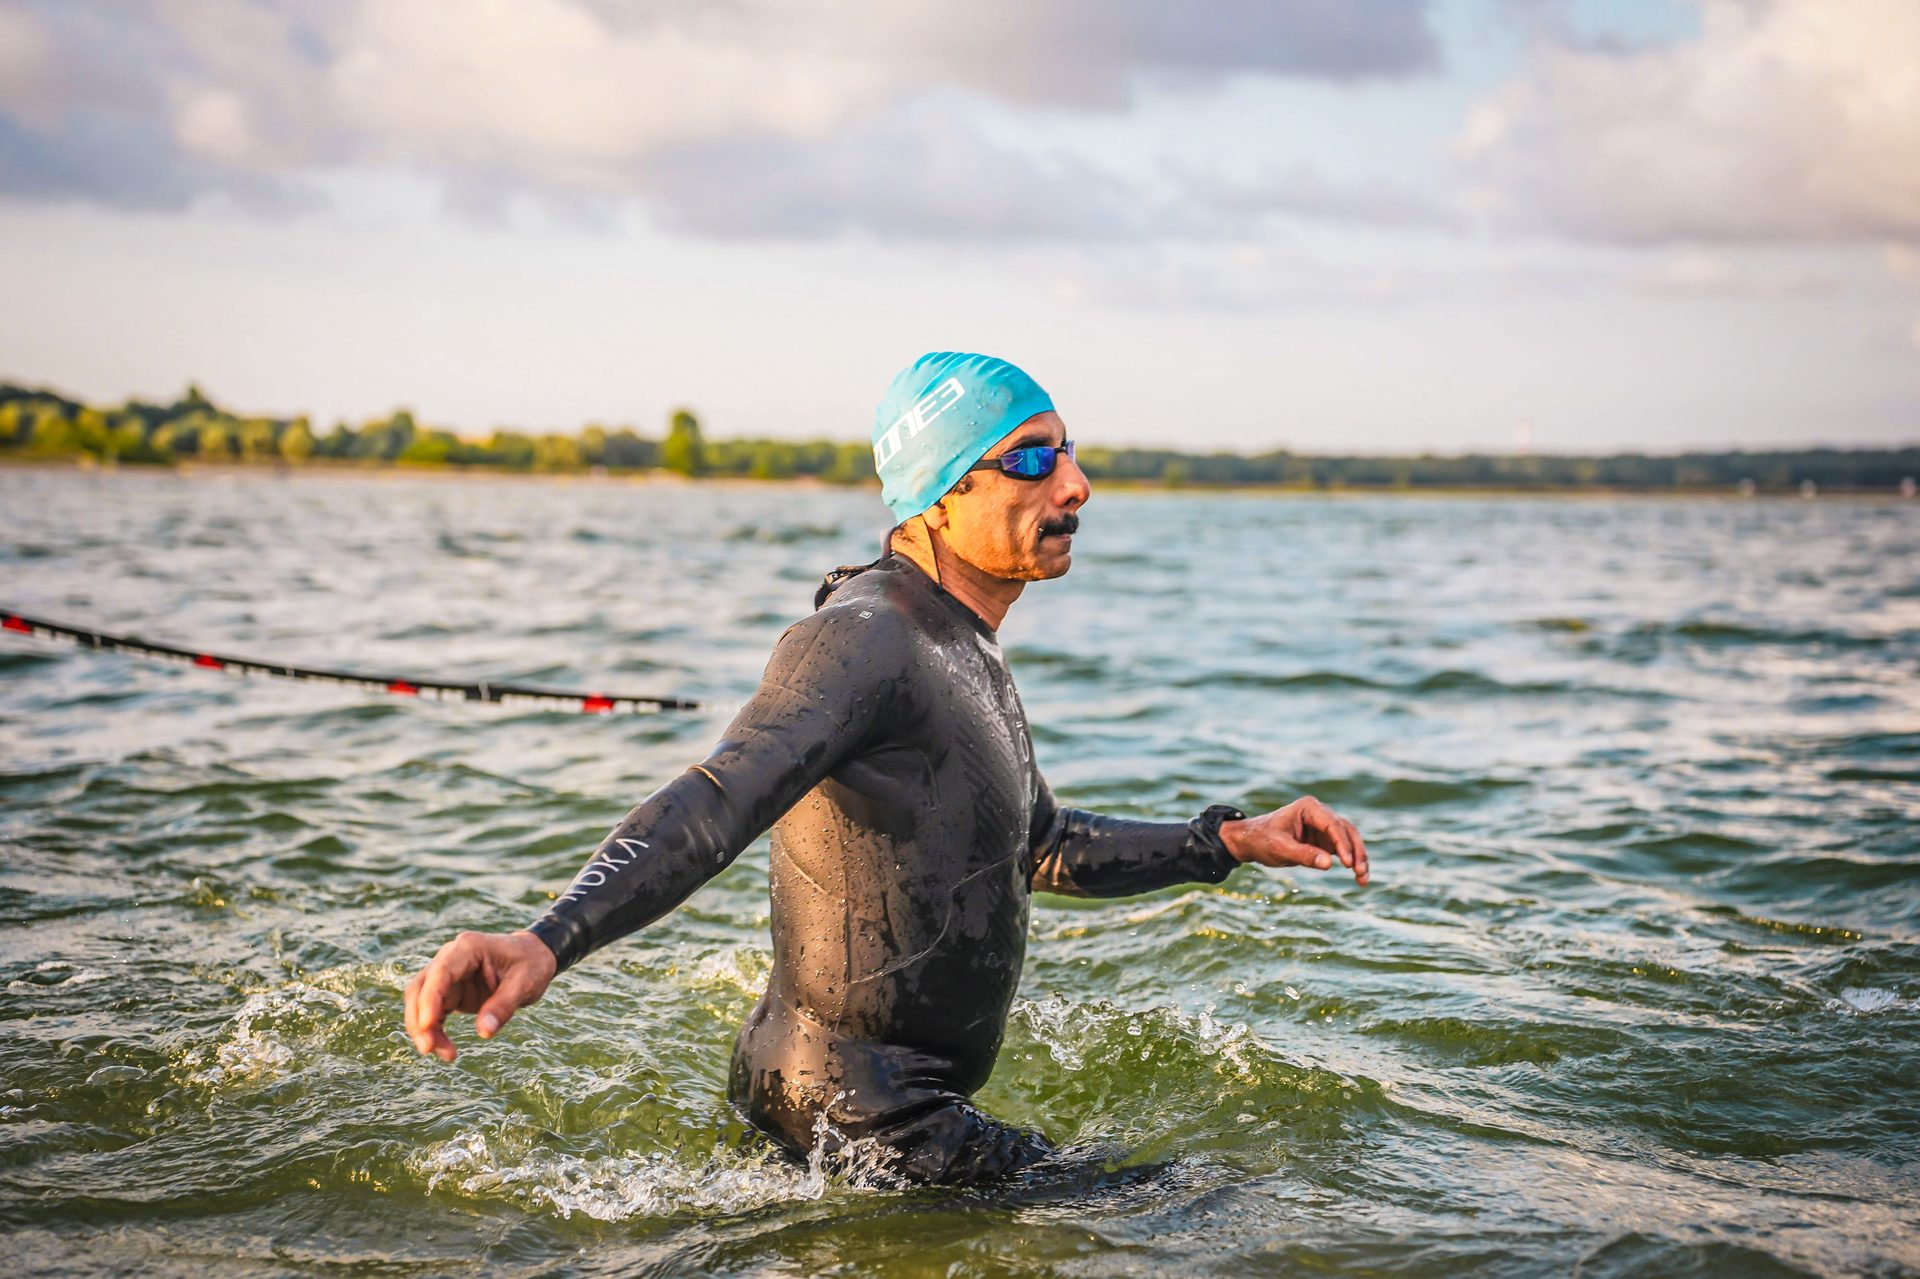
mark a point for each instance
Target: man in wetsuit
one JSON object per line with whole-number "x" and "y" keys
{"x": 888, "y": 750}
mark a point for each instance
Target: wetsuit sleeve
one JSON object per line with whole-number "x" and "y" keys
{"x": 823, "y": 692}
{"x": 1082, "y": 854}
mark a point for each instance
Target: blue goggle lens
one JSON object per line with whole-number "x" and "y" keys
{"x": 1035, "y": 462}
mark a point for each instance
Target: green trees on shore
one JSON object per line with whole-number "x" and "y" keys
{"x": 46, "y": 425}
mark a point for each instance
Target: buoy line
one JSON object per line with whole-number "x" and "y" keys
{"x": 397, "y": 685}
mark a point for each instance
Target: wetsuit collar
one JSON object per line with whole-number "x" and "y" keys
{"x": 895, "y": 562}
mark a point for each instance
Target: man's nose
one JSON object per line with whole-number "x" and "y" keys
{"x": 1072, "y": 486}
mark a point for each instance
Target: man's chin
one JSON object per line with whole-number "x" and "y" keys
{"x": 1054, "y": 558}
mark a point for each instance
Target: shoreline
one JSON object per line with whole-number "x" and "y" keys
{"x": 388, "y": 471}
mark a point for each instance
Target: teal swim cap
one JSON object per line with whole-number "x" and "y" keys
{"x": 940, "y": 416}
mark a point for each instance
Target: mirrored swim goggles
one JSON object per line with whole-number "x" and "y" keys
{"x": 1034, "y": 463}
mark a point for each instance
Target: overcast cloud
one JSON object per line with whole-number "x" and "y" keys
{"x": 1788, "y": 120}
{"x": 777, "y": 118}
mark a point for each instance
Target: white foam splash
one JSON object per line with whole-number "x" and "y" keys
{"x": 658, "y": 1183}
{"x": 1235, "y": 1043}
{"x": 253, "y": 1047}
{"x": 76, "y": 975}
{"x": 1053, "y": 1022}
{"x": 1157, "y": 909}
{"x": 738, "y": 968}
{"x": 1069, "y": 1031}
{"x": 1869, "y": 999}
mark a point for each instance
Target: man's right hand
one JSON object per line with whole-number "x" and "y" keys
{"x": 492, "y": 975}
{"x": 1304, "y": 833}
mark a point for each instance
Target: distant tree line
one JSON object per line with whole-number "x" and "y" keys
{"x": 44, "y": 424}
{"x": 1841, "y": 470}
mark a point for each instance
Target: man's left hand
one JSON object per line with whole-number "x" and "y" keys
{"x": 1304, "y": 833}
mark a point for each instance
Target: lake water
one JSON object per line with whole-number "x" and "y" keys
{"x": 1636, "y": 988}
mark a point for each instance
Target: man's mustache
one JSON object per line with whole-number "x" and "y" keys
{"x": 1068, "y": 523}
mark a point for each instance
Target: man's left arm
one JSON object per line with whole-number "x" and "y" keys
{"x": 1082, "y": 854}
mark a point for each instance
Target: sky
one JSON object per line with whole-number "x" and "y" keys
{"x": 1389, "y": 226}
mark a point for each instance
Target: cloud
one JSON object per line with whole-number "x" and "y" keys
{"x": 1691, "y": 273}
{"x": 917, "y": 172}
{"x": 1786, "y": 120}
{"x": 1219, "y": 277}
{"x": 1223, "y": 275}
{"x": 1305, "y": 192}
{"x": 105, "y": 158}
{"x": 1903, "y": 263}
{"x": 29, "y": 70}
{"x": 799, "y": 117}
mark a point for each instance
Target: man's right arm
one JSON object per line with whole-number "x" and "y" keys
{"x": 824, "y": 690}
{"x": 672, "y": 842}
{"x": 819, "y": 697}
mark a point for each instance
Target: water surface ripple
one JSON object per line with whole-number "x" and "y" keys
{"x": 1636, "y": 990}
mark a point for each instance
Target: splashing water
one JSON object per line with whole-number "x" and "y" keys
{"x": 655, "y": 1184}
{"x": 256, "y": 1043}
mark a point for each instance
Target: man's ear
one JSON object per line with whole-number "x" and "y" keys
{"x": 935, "y": 515}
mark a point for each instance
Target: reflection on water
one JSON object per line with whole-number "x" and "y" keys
{"x": 1636, "y": 989}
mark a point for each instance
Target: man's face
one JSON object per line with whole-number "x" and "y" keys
{"x": 1018, "y": 529}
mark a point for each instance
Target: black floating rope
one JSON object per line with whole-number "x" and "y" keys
{"x": 507, "y": 694}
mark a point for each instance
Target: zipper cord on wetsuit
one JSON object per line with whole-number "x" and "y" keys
{"x": 933, "y": 551}
{"x": 835, "y": 577}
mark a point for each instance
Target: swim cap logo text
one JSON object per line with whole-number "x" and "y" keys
{"x": 916, "y": 419}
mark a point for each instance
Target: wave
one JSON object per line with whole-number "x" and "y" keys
{"x": 1062, "y": 665}
{"x": 1689, "y": 852}
{"x": 1448, "y": 681}
{"x": 299, "y": 1026}
{"x": 1462, "y": 681}
{"x": 1873, "y": 775}
{"x": 782, "y": 534}
{"x": 1710, "y": 632}
{"x": 1797, "y": 874}
{"x": 1833, "y": 933}
{"x": 58, "y": 972}
{"x": 1867, "y": 1000}
{"x": 256, "y": 1044}
{"x": 1300, "y": 679}
{"x": 21, "y": 662}
{"x": 1462, "y": 1041}
{"x": 515, "y": 1163}
{"x": 1407, "y": 792}
{"x": 1071, "y": 1033}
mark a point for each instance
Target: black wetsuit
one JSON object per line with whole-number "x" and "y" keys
{"x": 888, "y": 744}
